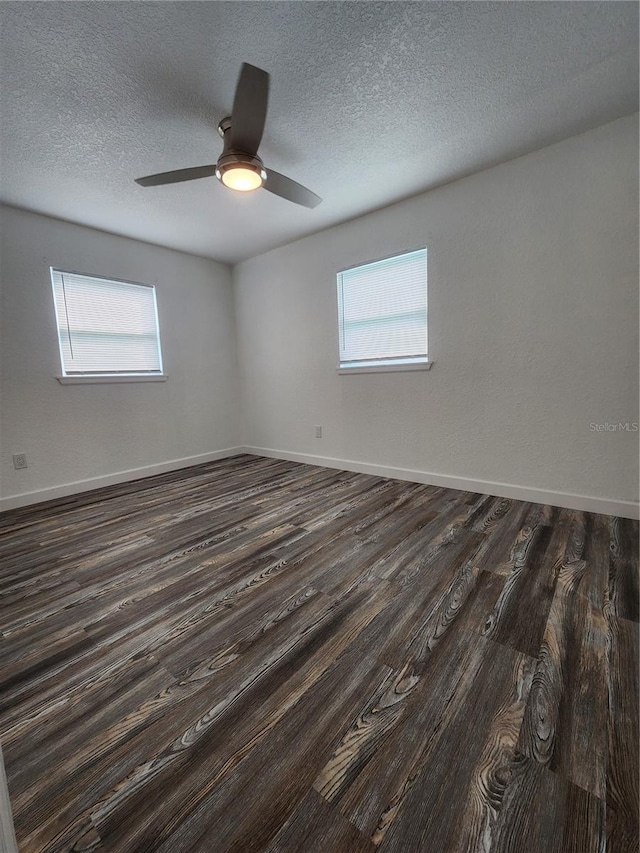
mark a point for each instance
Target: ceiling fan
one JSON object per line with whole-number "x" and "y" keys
{"x": 239, "y": 166}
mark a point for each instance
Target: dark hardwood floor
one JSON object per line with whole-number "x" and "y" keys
{"x": 257, "y": 655}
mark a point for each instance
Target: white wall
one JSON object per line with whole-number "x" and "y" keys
{"x": 533, "y": 303}
{"x": 97, "y": 433}
{"x": 533, "y": 324}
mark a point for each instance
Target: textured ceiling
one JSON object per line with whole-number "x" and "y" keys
{"x": 370, "y": 103}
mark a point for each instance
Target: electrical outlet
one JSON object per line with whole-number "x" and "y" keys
{"x": 318, "y": 432}
{"x": 19, "y": 460}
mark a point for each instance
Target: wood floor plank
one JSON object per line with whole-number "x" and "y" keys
{"x": 544, "y": 813}
{"x": 461, "y": 599}
{"x": 371, "y": 728}
{"x": 291, "y": 755}
{"x": 315, "y": 827}
{"x": 591, "y": 542}
{"x": 530, "y": 586}
{"x": 501, "y": 545}
{"x": 623, "y": 575}
{"x": 185, "y": 772}
{"x": 42, "y": 657}
{"x": 623, "y": 768}
{"x": 76, "y": 753}
{"x": 373, "y": 779}
{"x": 450, "y": 804}
{"x": 253, "y": 654}
{"x": 566, "y": 721}
{"x": 418, "y": 550}
{"x": 33, "y": 733}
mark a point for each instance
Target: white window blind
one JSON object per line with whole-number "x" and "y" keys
{"x": 106, "y": 327}
{"x": 382, "y": 312}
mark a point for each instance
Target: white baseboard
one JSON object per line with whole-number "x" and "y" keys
{"x": 585, "y": 503}
{"x": 66, "y": 489}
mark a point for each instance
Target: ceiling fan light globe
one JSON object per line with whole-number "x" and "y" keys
{"x": 241, "y": 177}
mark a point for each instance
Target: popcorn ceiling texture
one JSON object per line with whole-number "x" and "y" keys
{"x": 371, "y": 102}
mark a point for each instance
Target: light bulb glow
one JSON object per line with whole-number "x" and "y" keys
{"x": 241, "y": 179}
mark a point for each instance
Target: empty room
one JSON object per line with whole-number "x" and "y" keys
{"x": 319, "y": 427}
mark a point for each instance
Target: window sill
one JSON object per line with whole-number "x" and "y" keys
{"x": 388, "y": 368}
{"x": 100, "y": 380}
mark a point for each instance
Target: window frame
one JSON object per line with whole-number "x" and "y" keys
{"x": 65, "y": 378}
{"x": 383, "y": 364}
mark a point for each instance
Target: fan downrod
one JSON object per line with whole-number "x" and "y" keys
{"x": 224, "y": 126}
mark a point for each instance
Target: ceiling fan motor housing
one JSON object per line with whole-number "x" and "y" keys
{"x": 232, "y": 159}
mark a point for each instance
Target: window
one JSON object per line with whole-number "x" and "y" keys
{"x": 382, "y": 314}
{"x": 106, "y": 328}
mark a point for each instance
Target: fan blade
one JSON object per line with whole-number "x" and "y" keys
{"x": 249, "y": 109}
{"x": 177, "y": 176}
{"x": 291, "y": 190}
